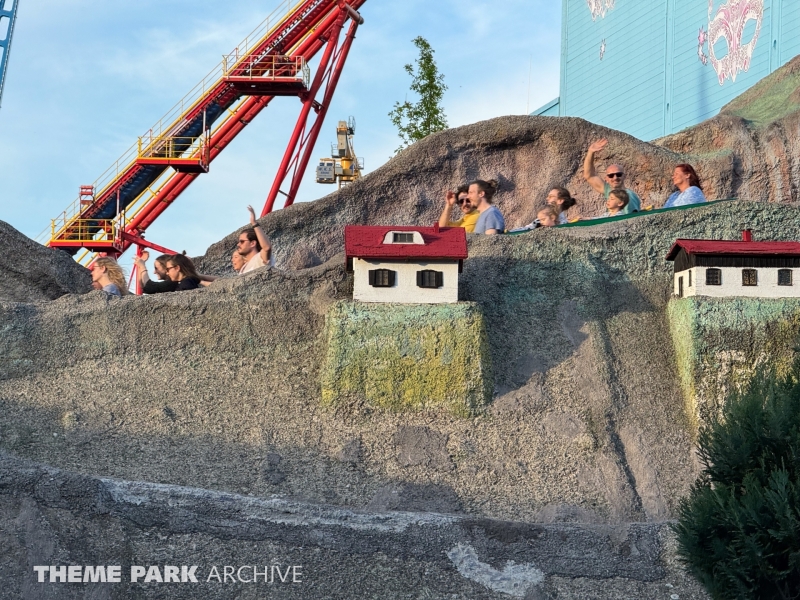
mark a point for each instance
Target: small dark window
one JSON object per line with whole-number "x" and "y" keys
{"x": 680, "y": 287}
{"x": 403, "y": 238}
{"x": 749, "y": 277}
{"x": 690, "y": 278}
{"x": 430, "y": 279}
{"x": 784, "y": 277}
{"x": 713, "y": 277}
{"x": 381, "y": 278}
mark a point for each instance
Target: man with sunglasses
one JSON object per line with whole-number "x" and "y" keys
{"x": 469, "y": 213}
{"x": 253, "y": 246}
{"x": 614, "y": 180}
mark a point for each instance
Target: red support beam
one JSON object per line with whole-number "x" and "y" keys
{"x": 220, "y": 140}
{"x": 179, "y": 181}
{"x": 141, "y": 242}
{"x": 309, "y": 102}
{"x": 311, "y": 141}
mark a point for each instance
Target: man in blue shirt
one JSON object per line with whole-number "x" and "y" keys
{"x": 615, "y": 178}
{"x": 480, "y": 195}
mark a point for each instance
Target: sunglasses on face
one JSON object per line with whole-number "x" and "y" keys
{"x": 461, "y": 201}
{"x": 242, "y": 242}
{"x": 615, "y": 175}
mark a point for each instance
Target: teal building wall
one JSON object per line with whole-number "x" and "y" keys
{"x": 656, "y": 67}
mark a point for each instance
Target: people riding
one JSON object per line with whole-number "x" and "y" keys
{"x": 614, "y": 178}
{"x": 159, "y": 265}
{"x": 480, "y": 194}
{"x": 254, "y": 246}
{"x": 181, "y": 271}
{"x": 563, "y": 201}
{"x": 689, "y": 189}
{"x": 164, "y": 284}
{"x": 547, "y": 216}
{"x": 616, "y": 203}
{"x": 469, "y": 213}
{"x": 179, "y": 274}
{"x": 108, "y": 275}
{"x": 237, "y": 262}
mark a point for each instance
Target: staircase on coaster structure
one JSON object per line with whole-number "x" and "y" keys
{"x": 272, "y": 61}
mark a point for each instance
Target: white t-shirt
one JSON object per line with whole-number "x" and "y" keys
{"x": 254, "y": 263}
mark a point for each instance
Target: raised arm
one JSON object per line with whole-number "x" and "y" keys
{"x": 141, "y": 267}
{"x": 589, "y": 172}
{"x": 449, "y": 202}
{"x": 263, "y": 240}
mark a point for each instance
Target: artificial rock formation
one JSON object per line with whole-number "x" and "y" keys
{"x": 212, "y": 399}
{"x": 720, "y": 343}
{"x": 29, "y": 272}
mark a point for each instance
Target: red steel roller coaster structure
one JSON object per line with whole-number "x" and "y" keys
{"x": 114, "y": 213}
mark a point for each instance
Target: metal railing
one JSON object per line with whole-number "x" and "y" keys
{"x": 270, "y": 68}
{"x": 174, "y": 119}
{"x": 167, "y": 147}
{"x": 85, "y": 230}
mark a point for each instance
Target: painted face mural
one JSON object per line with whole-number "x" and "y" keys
{"x": 599, "y": 8}
{"x": 729, "y": 24}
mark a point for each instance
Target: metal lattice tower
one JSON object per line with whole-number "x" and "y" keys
{"x": 8, "y": 15}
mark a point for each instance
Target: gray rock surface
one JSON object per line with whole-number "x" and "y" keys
{"x": 52, "y": 517}
{"x": 219, "y": 388}
{"x": 30, "y": 272}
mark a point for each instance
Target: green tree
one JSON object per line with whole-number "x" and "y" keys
{"x": 739, "y": 529}
{"x": 415, "y": 121}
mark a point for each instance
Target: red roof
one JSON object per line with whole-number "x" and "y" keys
{"x": 734, "y": 248}
{"x": 363, "y": 241}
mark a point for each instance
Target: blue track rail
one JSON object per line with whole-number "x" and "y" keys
{"x": 8, "y": 16}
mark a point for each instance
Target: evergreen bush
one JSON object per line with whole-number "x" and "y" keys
{"x": 739, "y": 529}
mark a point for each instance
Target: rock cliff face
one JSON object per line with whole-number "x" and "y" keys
{"x": 29, "y": 272}
{"x": 588, "y": 438}
{"x": 221, "y": 388}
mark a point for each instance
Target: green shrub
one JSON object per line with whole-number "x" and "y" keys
{"x": 739, "y": 529}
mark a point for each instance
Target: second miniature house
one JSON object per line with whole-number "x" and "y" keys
{"x": 405, "y": 264}
{"x": 725, "y": 268}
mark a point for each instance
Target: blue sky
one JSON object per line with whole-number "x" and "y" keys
{"x": 87, "y": 77}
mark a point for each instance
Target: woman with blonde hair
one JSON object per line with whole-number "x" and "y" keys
{"x": 109, "y": 276}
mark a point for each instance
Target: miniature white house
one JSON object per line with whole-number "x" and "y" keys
{"x": 411, "y": 265}
{"x": 725, "y": 268}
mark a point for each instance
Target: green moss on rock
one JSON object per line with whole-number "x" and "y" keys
{"x": 407, "y": 356}
{"x": 721, "y": 342}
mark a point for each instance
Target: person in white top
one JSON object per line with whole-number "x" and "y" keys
{"x": 253, "y": 246}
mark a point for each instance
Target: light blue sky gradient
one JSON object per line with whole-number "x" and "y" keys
{"x": 87, "y": 77}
